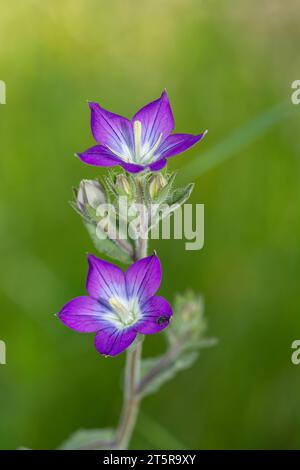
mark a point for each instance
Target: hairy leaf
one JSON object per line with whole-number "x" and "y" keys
{"x": 89, "y": 439}
{"x": 107, "y": 246}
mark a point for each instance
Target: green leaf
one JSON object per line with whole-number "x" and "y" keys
{"x": 107, "y": 246}
{"x": 88, "y": 438}
{"x": 180, "y": 196}
{"x": 157, "y": 435}
{"x": 174, "y": 201}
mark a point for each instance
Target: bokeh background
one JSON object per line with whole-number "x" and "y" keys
{"x": 228, "y": 67}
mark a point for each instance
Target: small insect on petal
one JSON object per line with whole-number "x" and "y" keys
{"x": 119, "y": 305}
{"x": 161, "y": 320}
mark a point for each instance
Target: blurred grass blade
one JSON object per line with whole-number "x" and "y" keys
{"x": 236, "y": 141}
{"x": 157, "y": 435}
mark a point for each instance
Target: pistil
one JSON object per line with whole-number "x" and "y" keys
{"x": 137, "y": 132}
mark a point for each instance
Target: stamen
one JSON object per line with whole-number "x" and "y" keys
{"x": 151, "y": 152}
{"x": 137, "y": 132}
{"x": 125, "y": 315}
{"x": 123, "y": 157}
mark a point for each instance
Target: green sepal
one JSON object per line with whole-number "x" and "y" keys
{"x": 175, "y": 199}
{"x": 165, "y": 192}
{"x": 180, "y": 196}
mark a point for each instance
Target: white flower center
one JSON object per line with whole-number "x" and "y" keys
{"x": 124, "y": 313}
{"x": 142, "y": 152}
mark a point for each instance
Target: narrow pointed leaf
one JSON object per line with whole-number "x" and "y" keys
{"x": 84, "y": 438}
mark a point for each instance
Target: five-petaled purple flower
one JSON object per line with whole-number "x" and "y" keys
{"x": 119, "y": 305}
{"x": 144, "y": 142}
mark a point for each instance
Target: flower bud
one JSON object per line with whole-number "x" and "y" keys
{"x": 188, "y": 322}
{"x": 90, "y": 193}
{"x": 157, "y": 183}
{"x": 123, "y": 186}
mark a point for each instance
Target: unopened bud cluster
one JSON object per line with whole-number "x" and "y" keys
{"x": 121, "y": 208}
{"x": 188, "y": 321}
{"x": 89, "y": 196}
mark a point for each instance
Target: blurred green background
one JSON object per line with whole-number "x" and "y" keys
{"x": 223, "y": 63}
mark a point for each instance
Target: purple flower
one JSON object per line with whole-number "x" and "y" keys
{"x": 119, "y": 305}
{"x": 144, "y": 142}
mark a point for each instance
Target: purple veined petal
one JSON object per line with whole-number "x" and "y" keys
{"x": 156, "y": 118}
{"x": 111, "y": 130}
{"x": 99, "y": 156}
{"x": 156, "y": 314}
{"x": 158, "y": 165}
{"x": 111, "y": 341}
{"x": 177, "y": 143}
{"x": 105, "y": 280}
{"x": 83, "y": 314}
{"x": 143, "y": 278}
{"x": 132, "y": 167}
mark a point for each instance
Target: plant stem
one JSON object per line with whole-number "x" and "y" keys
{"x": 161, "y": 365}
{"x": 124, "y": 246}
{"x": 132, "y": 378}
{"x": 133, "y": 361}
{"x": 131, "y": 399}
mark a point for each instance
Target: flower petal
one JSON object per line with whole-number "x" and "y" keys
{"x": 111, "y": 130}
{"x": 83, "y": 314}
{"x": 99, "y": 156}
{"x": 143, "y": 278}
{"x": 156, "y": 118}
{"x": 156, "y": 314}
{"x": 177, "y": 143}
{"x": 105, "y": 280}
{"x": 111, "y": 341}
{"x": 132, "y": 167}
{"x": 158, "y": 165}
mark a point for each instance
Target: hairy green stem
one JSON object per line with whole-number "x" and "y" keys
{"x": 131, "y": 401}
{"x": 133, "y": 361}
